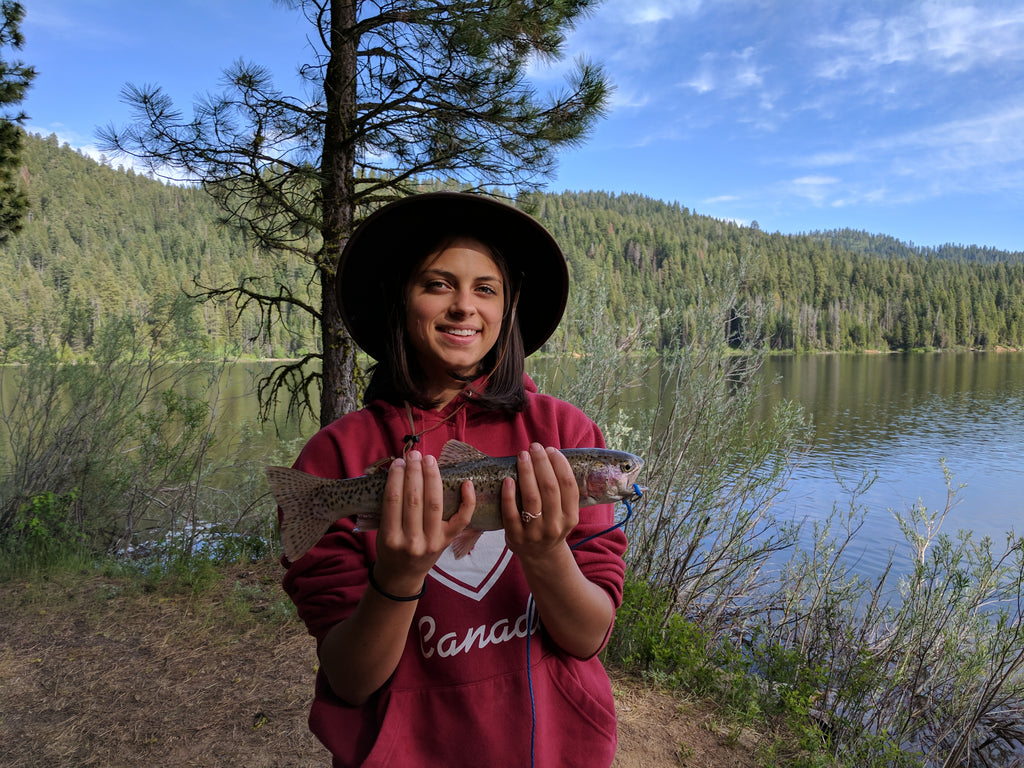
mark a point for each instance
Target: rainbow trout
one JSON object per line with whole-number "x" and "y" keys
{"x": 309, "y": 504}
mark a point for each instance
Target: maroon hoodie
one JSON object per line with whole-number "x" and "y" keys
{"x": 461, "y": 693}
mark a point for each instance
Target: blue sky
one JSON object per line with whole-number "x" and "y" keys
{"x": 902, "y": 118}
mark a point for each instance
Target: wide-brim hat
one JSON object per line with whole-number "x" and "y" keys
{"x": 383, "y": 248}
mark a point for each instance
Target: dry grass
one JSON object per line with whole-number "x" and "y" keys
{"x": 99, "y": 671}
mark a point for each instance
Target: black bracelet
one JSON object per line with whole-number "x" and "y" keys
{"x": 388, "y": 595}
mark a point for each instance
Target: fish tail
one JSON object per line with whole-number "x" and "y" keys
{"x": 291, "y": 487}
{"x": 305, "y": 517}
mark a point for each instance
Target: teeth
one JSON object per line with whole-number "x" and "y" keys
{"x": 460, "y": 332}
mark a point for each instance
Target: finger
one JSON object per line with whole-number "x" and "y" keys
{"x": 547, "y": 480}
{"x": 412, "y": 497}
{"x": 464, "y": 514}
{"x": 510, "y": 508}
{"x": 563, "y": 473}
{"x": 558, "y": 460}
{"x": 529, "y": 491}
{"x": 391, "y": 511}
{"x": 433, "y": 495}
{"x": 550, "y": 491}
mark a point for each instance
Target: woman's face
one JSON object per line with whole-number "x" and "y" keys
{"x": 454, "y": 310}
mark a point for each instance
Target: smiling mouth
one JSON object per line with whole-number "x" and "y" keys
{"x": 459, "y": 331}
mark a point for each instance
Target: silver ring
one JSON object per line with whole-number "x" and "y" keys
{"x": 527, "y": 517}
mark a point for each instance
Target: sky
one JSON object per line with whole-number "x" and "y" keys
{"x": 895, "y": 117}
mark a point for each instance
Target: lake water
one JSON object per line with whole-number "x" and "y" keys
{"x": 893, "y": 417}
{"x": 898, "y": 417}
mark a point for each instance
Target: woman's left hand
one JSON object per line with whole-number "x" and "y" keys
{"x": 576, "y": 612}
{"x": 550, "y": 501}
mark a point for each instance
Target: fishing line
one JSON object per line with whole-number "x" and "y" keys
{"x": 529, "y": 677}
{"x": 622, "y": 522}
{"x": 530, "y": 605}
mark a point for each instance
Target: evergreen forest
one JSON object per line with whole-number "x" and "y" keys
{"x": 99, "y": 242}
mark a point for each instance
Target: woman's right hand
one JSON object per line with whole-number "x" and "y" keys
{"x": 360, "y": 654}
{"x": 413, "y": 532}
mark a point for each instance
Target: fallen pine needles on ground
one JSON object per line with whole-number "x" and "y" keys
{"x": 107, "y": 670}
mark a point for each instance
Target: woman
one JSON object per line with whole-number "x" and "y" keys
{"x": 427, "y": 659}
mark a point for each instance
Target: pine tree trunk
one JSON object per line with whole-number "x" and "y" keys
{"x": 338, "y": 393}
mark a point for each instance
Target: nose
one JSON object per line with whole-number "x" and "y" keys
{"x": 462, "y": 303}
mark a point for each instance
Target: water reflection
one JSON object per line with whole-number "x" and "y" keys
{"x": 899, "y": 416}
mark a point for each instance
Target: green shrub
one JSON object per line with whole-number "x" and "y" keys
{"x": 43, "y": 535}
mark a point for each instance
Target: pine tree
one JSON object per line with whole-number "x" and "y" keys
{"x": 406, "y": 90}
{"x": 15, "y": 78}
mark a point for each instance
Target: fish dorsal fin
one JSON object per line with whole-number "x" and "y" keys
{"x": 456, "y": 452}
{"x": 377, "y": 466}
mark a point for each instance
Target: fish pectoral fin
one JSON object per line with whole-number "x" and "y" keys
{"x": 366, "y": 523}
{"x": 456, "y": 452}
{"x": 463, "y": 544}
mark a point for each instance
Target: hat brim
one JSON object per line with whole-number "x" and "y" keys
{"x": 384, "y": 246}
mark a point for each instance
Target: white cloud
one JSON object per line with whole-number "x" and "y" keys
{"x": 977, "y": 155}
{"x": 622, "y": 98}
{"x": 993, "y": 138}
{"x": 748, "y": 77}
{"x": 937, "y": 35}
{"x": 702, "y": 82}
{"x": 733, "y": 74}
{"x": 807, "y": 182}
{"x": 962, "y": 37}
{"x": 828, "y": 159}
{"x": 813, "y": 189}
{"x": 655, "y": 12}
{"x": 650, "y": 14}
{"x": 748, "y": 74}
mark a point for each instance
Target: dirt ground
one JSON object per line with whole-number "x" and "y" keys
{"x": 100, "y": 671}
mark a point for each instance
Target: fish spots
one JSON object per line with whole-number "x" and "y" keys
{"x": 310, "y": 505}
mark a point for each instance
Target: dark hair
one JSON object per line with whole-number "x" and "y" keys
{"x": 396, "y": 377}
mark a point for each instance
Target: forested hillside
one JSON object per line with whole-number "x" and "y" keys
{"x": 100, "y": 241}
{"x": 810, "y": 293}
{"x": 885, "y": 245}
